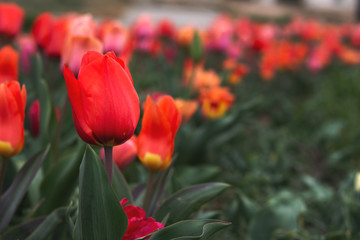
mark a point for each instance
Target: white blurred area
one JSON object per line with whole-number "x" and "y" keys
{"x": 331, "y": 4}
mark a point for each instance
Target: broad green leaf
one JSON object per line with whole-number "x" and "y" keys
{"x": 120, "y": 186}
{"x": 196, "y": 174}
{"x": 183, "y": 203}
{"x": 12, "y": 197}
{"x": 191, "y": 229}
{"x": 45, "y": 106}
{"x": 100, "y": 213}
{"x": 60, "y": 182}
{"x": 281, "y": 213}
{"x": 46, "y": 228}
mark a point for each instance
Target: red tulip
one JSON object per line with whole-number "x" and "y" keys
{"x": 41, "y": 29}
{"x": 9, "y": 59}
{"x": 104, "y": 102}
{"x": 11, "y": 19}
{"x": 34, "y": 118}
{"x": 123, "y": 154}
{"x": 160, "y": 123}
{"x": 139, "y": 225}
{"x": 12, "y": 114}
{"x": 57, "y": 36}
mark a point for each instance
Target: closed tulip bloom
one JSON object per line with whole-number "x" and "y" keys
{"x": 12, "y": 114}
{"x": 104, "y": 102}
{"x": 34, "y": 118}
{"x": 11, "y": 19}
{"x": 160, "y": 123}
{"x": 113, "y": 36}
{"x": 27, "y": 48}
{"x": 123, "y": 154}
{"x": 41, "y": 29}
{"x": 9, "y": 60}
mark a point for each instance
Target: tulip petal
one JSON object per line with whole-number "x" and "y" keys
{"x": 112, "y": 104}
{"x": 167, "y": 105}
{"x": 77, "y": 107}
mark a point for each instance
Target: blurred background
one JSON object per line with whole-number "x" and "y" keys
{"x": 199, "y": 13}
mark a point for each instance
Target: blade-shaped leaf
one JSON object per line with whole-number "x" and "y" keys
{"x": 12, "y": 197}
{"x": 60, "y": 182}
{"x": 183, "y": 203}
{"x": 23, "y": 230}
{"x": 49, "y": 224}
{"x": 191, "y": 229}
{"x": 100, "y": 213}
{"x": 120, "y": 186}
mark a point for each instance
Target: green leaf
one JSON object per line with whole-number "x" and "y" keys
{"x": 100, "y": 213}
{"x": 191, "y": 229}
{"x": 12, "y": 197}
{"x": 183, "y": 203}
{"x": 196, "y": 174}
{"x": 60, "y": 182}
{"x": 23, "y": 230}
{"x": 45, "y": 106}
{"x": 281, "y": 212}
{"x": 51, "y": 222}
{"x": 120, "y": 186}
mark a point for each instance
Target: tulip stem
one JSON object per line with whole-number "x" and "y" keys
{"x": 2, "y": 172}
{"x": 109, "y": 161}
{"x": 149, "y": 190}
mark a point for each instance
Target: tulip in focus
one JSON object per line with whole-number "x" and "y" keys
{"x": 215, "y": 102}
{"x": 104, "y": 102}
{"x": 11, "y": 19}
{"x": 9, "y": 60}
{"x": 160, "y": 123}
{"x": 34, "y": 118}
{"x": 123, "y": 154}
{"x": 12, "y": 114}
{"x": 139, "y": 225}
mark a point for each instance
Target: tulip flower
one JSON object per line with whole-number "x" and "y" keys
{"x": 215, "y": 102}
{"x": 139, "y": 225}
{"x": 41, "y": 29}
{"x": 57, "y": 36}
{"x": 113, "y": 36}
{"x": 12, "y": 114}
{"x": 123, "y": 154}
{"x": 27, "y": 47}
{"x": 9, "y": 59}
{"x": 187, "y": 108}
{"x": 104, "y": 102}
{"x": 75, "y": 48}
{"x": 160, "y": 123}
{"x": 11, "y": 19}
{"x": 34, "y": 118}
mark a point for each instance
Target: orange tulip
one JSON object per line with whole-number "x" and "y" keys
{"x": 12, "y": 114}
{"x": 187, "y": 108}
{"x": 216, "y": 101}
{"x": 160, "y": 123}
{"x": 11, "y": 19}
{"x": 9, "y": 60}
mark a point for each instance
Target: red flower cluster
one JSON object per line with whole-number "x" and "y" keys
{"x": 139, "y": 225}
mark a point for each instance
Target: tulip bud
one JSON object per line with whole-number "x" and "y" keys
{"x": 27, "y": 48}
{"x": 11, "y": 19}
{"x": 12, "y": 114}
{"x": 34, "y": 118}
{"x": 123, "y": 154}
{"x": 103, "y": 99}
{"x": 9, "y": 60}
{"x": 160, "y": 123}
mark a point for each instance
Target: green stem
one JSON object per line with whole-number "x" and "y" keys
{"x": 2, "y": 172}
{"x": 149, "y": 191}
{"x": 108, "y": 161}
